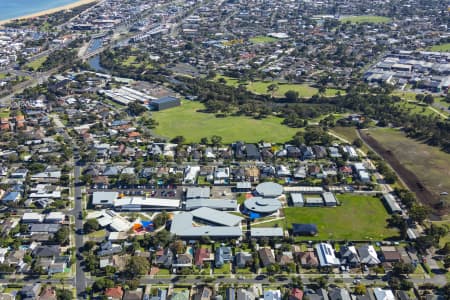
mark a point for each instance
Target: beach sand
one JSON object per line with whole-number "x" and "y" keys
{"x": 50, "y": 11}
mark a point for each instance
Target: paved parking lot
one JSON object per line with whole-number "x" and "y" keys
{"x": 221, "y": 192}
{"x": 171, "y": 193}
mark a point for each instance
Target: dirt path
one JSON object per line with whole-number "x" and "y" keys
{"x": 409, "y": 178}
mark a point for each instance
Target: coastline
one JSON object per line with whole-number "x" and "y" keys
{"x": 49, "y": 11}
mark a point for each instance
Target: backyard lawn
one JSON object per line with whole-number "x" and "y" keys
{"x": 365, "y": 19}
{"x": 358, "y": 218}
{"x": 97, "y": 234}
{"x": 4, "y": 113}
{"x": 186, "y": 121}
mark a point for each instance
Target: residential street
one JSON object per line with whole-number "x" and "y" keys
{"x": 80, "y": 276}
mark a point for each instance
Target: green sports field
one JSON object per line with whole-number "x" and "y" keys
{"x": 358, "y": 218}
{"x": 186, "y": 121}
{"x": 37, "y": 63}
{"x": 365, "y": 19}
{"x": 262, "y": 39}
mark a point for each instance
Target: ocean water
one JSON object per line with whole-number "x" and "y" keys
{"x": 16, "y": 8}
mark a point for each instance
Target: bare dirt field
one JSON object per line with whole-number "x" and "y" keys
{"x": 424, "y": 169}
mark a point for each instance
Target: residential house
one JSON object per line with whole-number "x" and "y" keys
{"x": 19, "y": 174}
{"x": 382, "y": 294}
{"x": 285, "y": 258}
{"x": 201, "y": 254}
{"x": 51, "y": 251}
{"x": 230, "y": 294}
{"x": 283, "y": 171}
{"x": 266, "y": 154}
{"x": 30, "y": 291}
{"x": 111, "y": 171}
{"x": 349, "y": 256}
{"x": 243, "y": 259}
{"x": 11, "y": 197}
{"x": 15, "y": 258}
{"x": 3, "y": 252}
{"x": 204, "y": 293}
{"x": 243, "y": 294}
{"x": 325, "y": 253}
{"x": 266, "y": 256}
{"x": 115, "y": 293}
{"x": 181, "y": 295}
{"x": 182, "y": 260}
{"x": 267, "y": 172}
{"x": 164, "y": 257}
{"x": 31, "y": 217}
{"x": 296, "y": 294}
{"x": 293, "y": 152}
{"x": 133, "y": 294}
{"x": 308, "y": 259}
{"x": 339, "y": 294}
{"x": 300, "y": 172}
{"x": 319, "y": 151}
{"x": 252, "y": 152}
{"x": 48, "y": 293}
{"x": 252, "y": 174}
{"x": 390, "y": 254}
{"x": 272, "y": 295}
{"x": 307, "y": 152}
{"x": 108, "y": 248}
{"x": 368, "y": 255}
{"x": 334, "y": 152}
{"x": 314, "y": 170}
{"x": 223, "y": 255}
{"x": 161, "y": 295}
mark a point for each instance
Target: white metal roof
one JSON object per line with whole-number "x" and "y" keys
{"x": 326, "y": 255}
{"x": 182, "y": 226}
{"x": 266, "y": 231}
{"x": 216, "y": 216}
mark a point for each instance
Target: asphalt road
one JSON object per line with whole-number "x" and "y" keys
{"x": 80, "y": 279}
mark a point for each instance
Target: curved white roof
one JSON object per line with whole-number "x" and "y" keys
{"x": 262, "y": 205}
{"x": 269, "y": 189}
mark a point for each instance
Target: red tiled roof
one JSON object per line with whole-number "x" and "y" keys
{"x": 116, "y": 292}
{"x": 297, "y": 293}
{"x": 134, "y": 134}
{"x": 200, "y": 255}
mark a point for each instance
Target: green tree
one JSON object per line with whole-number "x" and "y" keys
{"x": 91, "y": 225}
{"x": 428, "y": 99}
{"x": 103, "y": 283}
{"x": 216, "y": 140}
{"x": 136, "y": 109}
{"x": 419, "y": 213}
{"x": 358, "y": 143}
{"x": 62, "y": 294}
{"x": 401, "y": 268}
{"x": 179, "y": 139}
{"x": 273, "y": 269}
{"x": 272, "y": 88}
{"x": 62, "y": 236}
{"x": 137, "y": 265}
{"x": 291, "y": 96}
{"x": 360, "y": 289}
